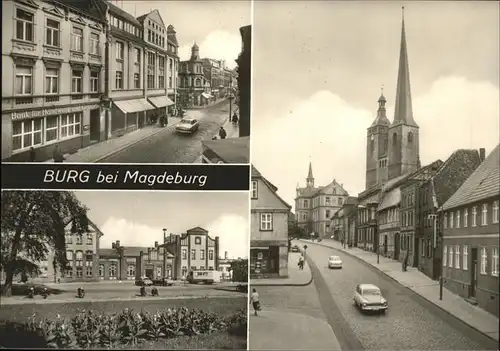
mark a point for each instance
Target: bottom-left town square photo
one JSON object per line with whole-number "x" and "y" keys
{"x": 124, "y": 270}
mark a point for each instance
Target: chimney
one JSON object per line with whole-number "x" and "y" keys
{"x": 113, "y": 245}
{"x": 482, "y": 154}
{"x": 117, "y": 243}
{"x": 225, "y": 255}
{"x": 156, "y": 244}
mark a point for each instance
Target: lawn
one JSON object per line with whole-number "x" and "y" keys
{"x": 235, "y": 339}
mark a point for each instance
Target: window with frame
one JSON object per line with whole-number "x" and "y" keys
{"x": 429, "y": 248}
{"x": 131, "y": 270}
{"x": 184, "y": 254}
{"x": 465, "y": 257}
{"x": 120, "y": 50}
{"x": 101, "y": 271}
{"x": 193, "y": 254}
{"x": 327, "y": 214}
{"x": 52, "y": 33}
{"x": 26, "y": 133}
{"x": 210, "y": 255}
{"x": 79, "y": 258}
{"x": 25, "y": 25}
{"x": 94, "y": 44}
{"x": 202, "y": 254}
{"x": 197, "y": 240}
{"x": 457, "y": 218}
{"x": 71, "y": 124}
{"x": 161, "y": 68}
{"x": 495, "y": 211}
{"x": 327, "y": 201}
{"x": 340, "y": 201}
{"x": 78, "y": 239}
{"x": 90, "y": 239}
{"x": 484, "y": 214}
{"x": 445, "y": 220}
{"x": 445, "y": 256}
{"x": 69, "y": 256}
{"x": 494, "y": 262}
{"x": 77, "y": 39}
{"x": 254, "y": 189}
{"x": 466, "y": 217}
{"x": 457, "y": 256}
{"x": 170, "y": 85}
{"x": 450, "y": 256}
{"x": 484, "y": 260}
{"x": 266, "y": 221}
{"x": 474, "y": 216}
{"x": 422, "y": 248}
{"x": 451, "y": 220}
{"x": 76, "y": 81}
{"x": 151, "y": 70}
{"x": 112, "y": 270}
{"x": 24, "y": 80}
{"x": 51, "y": 81}
{"x": 69, "y": 239}
{"x": 94, "y": 81}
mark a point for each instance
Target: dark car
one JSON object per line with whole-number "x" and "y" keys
{"x": 144, "y": 281}
{"x": 163, "y": 282}
{"x": 295, "y": 248}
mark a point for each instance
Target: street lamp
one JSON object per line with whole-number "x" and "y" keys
{"x": 378, "y": 243}
{"x": 434, "y": 218}
{"x": 230, "y": 99}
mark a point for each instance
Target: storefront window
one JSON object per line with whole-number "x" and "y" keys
{"x": 51, "y": 128}
{"x": 26, "y": 134}
{"x": 70, "y": 125}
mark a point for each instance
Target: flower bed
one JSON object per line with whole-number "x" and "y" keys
{"x": 90, "y": 329}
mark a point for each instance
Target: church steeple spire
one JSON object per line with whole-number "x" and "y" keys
{"x": 310, "y": 178}
{"x": 403, "y": 112}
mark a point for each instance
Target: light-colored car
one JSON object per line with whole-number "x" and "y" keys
{"x": 187, "y": 125}
{"x": 143, "y": 281}
{"x": 368, "y": 297}
{"x": 334, "y": 262}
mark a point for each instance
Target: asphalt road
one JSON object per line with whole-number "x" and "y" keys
{"x": 171, "y": 147}
{"x": 411, "y": 323}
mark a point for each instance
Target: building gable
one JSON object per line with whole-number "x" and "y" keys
{"x": 54, "y": 11}
{"x": 78, "y": 20}
{"x": 329, "y": 189}
{"x": 156, "y": 17}
{"x": 267, "y": 198}
{"x": 29, "y": 3}
{"x": 197, "y": 231}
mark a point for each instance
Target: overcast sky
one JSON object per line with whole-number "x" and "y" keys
{"x": 138, "y": 218}
{"x": 317, "y": 72}
{"x": 213, "y": 25}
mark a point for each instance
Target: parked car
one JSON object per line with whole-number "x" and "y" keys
{"x": 295, "y": 248}
{"x": 368, "y": 297}
{"x": 143, "y": 281}
{"x": 163, "y": 282}
{"x": 187, "y": 125}
{"x": 334, "y": 262}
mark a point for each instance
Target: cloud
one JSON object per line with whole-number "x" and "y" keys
{"x": 232, "y": 231}
{"x": 129, "y": 233}
{"x": 216, "y": 45}
{"x": 454, "y": 113}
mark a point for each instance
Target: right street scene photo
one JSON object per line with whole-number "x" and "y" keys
{"x": 375, "y": 202}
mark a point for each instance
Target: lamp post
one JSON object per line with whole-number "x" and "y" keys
{"x": 378, "y": 243}
{"x": 230, "y": 98}
{"x": 434, "y": 217}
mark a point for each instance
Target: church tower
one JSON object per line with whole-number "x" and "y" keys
{"x": 403, "y": 133}
{"x": 310, "y": 178}
{"x": 195, "y": 52}
{"x": 376, "y": 146}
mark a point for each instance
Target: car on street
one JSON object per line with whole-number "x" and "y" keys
{"x": 368, "y": 297}
{"x": 144, "y": 281}
{"x": 295, "y": 248}
{"x": 334, "y": 262}
{"x": 163, "y": 282}
{"x": 187, "y": 125}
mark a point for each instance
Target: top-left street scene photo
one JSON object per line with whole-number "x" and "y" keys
{"x": 99, "y": 81}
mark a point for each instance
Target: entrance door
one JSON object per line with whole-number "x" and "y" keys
{"x": 95, "y": 126}
{"x": 149, "y": 273}
{"x": 274, "y": 259}
{"x": 397, "y": 243}
{"x": 473, "y": 273}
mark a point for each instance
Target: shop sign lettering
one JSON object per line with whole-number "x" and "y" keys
{"x": 16, "y": 116}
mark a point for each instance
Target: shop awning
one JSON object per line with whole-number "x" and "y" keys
{"x": 206, "y": 96}
{"x": 160, "y": 101}
{"x": 132, "y": 106}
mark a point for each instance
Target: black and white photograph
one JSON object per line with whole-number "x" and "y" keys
{"x": 375, "y": 202}
{"x": 124, "y": 270}
{"x": 98, "y": 81}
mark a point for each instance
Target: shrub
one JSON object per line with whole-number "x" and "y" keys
{"x": 89, "y": 329}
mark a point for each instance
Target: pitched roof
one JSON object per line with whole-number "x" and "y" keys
{"x": 390, "y": 199}
{"x": 483, "y": 183}
{"x": 274, "y": 189}
{"x": 115, "y": 10}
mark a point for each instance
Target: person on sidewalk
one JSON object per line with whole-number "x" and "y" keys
{"x": 235, "y": 118}
{"x": 405, "y": 261}
{"x": 57, "y": 155}
{"x": 301, "y": 262}
{"x": 254, "y": 299}
{"x": 222, "y": 133}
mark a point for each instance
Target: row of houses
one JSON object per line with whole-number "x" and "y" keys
{"x": 173, "y": 258}
{"x": 443, "y": 218}
{"x": 82, "y": 72}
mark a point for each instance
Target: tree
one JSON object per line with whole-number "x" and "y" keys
{"x": 295, "y": 231}
{"x": 33, "y": 224}
{"x": 239, "y": 269}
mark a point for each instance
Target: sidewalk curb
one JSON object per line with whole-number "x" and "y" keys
{"x": 413, "y": 291}
{"x": 114, "y": 152}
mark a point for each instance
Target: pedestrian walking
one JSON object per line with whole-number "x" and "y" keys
{"x": 235, "y": 118}
{"x": 405, "y": 261}
{"x": 301, "y": 262}
{"x": 222, "y": 133}
{"x": 57, "y": 155}
{"x": 254, "y": 299}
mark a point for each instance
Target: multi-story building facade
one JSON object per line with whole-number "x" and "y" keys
{"x": 366, "y": 226}
{"x": 193, "y": 87}
{"x": 269, "y": 229}
{"x": 213, "y": 71}
{"x": 429, "y": 197}
{"x": 314, "y": 206}
{"x": 193, "y": 250}
{"x": 82, "y": 253}
{"x": 470, "y": 236}
{"x": 54, "y": 53}
{"x": 243, "y": 77}
{"x": 340, "y": 221}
